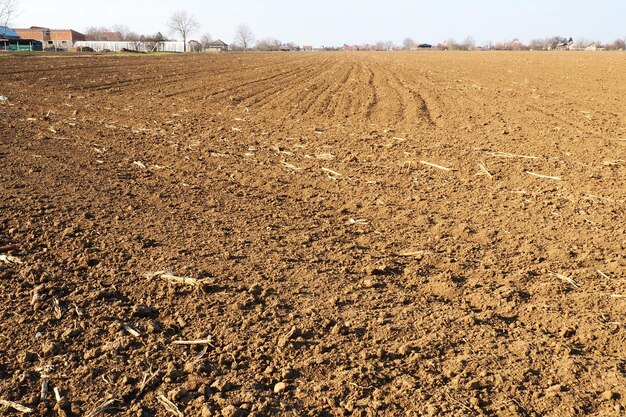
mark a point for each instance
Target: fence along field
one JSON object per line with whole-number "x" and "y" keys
{"x": 328, "y": 234}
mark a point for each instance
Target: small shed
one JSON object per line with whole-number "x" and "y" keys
{"x": 594, "y": 47}
{"x": 216, "y": 46}
{"x": 8, "y": 33}
{"x": 21, "y": 45}
{"x": 10, "y": 40}
{"x": 565, "y": 46}
{"x": 7, "y": 36}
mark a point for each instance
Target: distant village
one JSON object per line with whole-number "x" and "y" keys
{"x": 37, "y": 38}
{"x": 549, "y": 44}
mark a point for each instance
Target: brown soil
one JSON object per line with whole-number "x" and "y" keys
{"x": 329, "y": 258}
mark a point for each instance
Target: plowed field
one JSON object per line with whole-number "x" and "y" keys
{"x": 337, "y": 234}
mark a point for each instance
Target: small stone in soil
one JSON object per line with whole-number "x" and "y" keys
{"x": 369, "y": 283}
{"x": 280, "y": 387}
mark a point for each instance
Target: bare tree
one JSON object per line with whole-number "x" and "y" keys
{"x": 206, "y": 39}
{"x": 93, "y": 33}
{"x": 408, "y": 44}
{"x": 104, "y": 33}
{"x": 538, "y": 44}
{"x": 8, "y": 9}
{"x": 244, "y": 36}
{"x": 123, "y": 31}
{"x": 183, "y": 24}
{"x": 618, "y": 45}
{"x": 383, "y": 46}
{"x": 132, "y": 37}
{"x": 135, "y": 39}
{"x": 580, "y": 43}
{"x": 554, "y": 41}
{"x": 116, "y": 33}
{"x": 452, "y": 44}
{"x": 468, "y": 43}
{"x": 268, "y": 44}
{"x": 151, "y": 41}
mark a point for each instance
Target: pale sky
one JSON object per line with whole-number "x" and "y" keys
{"x": 335, "y": 22}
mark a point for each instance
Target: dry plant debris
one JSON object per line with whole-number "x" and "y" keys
{"x": 8, "y": 259}
{"x": 103, "y": 407}
{"x": 169, "y": 406}
{"x": 549, "y": 177}
{"x": 170, "y": 277}
{"x": 430, "y": 164}
{"x": 565, "y": 279}
{"x": 16, "y": 406}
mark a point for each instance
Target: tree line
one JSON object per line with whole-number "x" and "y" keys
{"x": 554, "y": 42}
{"x": 180, "y": 23}
{"x": 469, "y": 44}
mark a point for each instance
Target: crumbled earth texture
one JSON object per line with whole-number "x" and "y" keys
{"x": 338, "y": 234}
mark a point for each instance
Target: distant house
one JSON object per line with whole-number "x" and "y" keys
{"x": 216, "y": 46}
{"x": 594, "y": 47}
{"x": 6, "y": 36}
{"x": 57, "y": 39}
{"x": 562, "y": 46}
{"x": 565, "y": 46}
{"x": 194, "y": 46}
{"x": 515, "y": 45}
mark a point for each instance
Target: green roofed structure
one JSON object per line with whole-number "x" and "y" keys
{"x": 11, "y": 41}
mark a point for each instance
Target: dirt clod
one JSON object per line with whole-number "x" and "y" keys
{"x": 27, "y": 357}
{"x": 221, "y": 385}
{"x": 142, "y": 310}
{"x": 50, "y": 348}
{"x": 607, "y": 395}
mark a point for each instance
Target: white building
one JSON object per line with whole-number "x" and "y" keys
{"x": 117, "y": 46}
